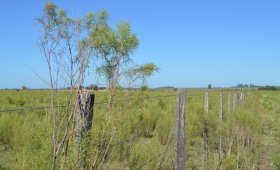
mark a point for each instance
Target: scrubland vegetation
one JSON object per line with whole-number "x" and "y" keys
{"x": 138, "y": 130}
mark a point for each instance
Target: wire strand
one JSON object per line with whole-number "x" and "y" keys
{"x": 155, "y": 157}
{"x": 97, "y": 103}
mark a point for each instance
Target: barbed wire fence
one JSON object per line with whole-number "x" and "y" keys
{"x": 96, "y": 103}
{"x": 179, "y": 135}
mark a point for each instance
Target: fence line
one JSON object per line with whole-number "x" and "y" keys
{"x": 27, "y": 109}
{"x": 180, "y": 134}
{"x": 97, "y": 103}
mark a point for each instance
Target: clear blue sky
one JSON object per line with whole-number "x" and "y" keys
{"x": 194, "y": 42}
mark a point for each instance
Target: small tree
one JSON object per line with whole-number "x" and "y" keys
{"x": 115, "y": 49}
{"x": 68, "y": 44}
{"x": 64, "y": 42}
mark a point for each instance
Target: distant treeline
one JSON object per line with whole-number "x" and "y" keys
{"x": 96, "y": 87}
{"x": 258, "y": 87}
{"x": 269, "y": 88}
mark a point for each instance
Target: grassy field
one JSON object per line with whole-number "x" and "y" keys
{"x": 141, "y": 127}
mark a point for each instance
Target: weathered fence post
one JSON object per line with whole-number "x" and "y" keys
{"x": 205, "y": 130}
{"x": 220, "y": 128}
{"x": 180, "y": 138}
{"x": 229, "y": 102}
{"x": 234, "y": 101}
{"x": 83, "y": 121}
{"x": 241, "y": 98}
{"x": 206, "y": 103}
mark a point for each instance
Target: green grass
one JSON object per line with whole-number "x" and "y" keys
{"x": 251, "y": 133}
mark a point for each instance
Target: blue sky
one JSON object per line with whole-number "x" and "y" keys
{"x": 194, "y": 42}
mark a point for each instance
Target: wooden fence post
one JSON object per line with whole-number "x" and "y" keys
{"x": 229, "y": 102}
{"x": 180, "y": 138}
{"x": 241, "y": 98}
{"x": 206, "y": 103}
{"x": 234, "y": 101}
{"x": 205, "y": 129}
{"x": 220, "y": 127}
{"x": 83, "y": 121}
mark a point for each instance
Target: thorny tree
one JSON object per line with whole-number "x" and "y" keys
{"x": 115, "y": 49}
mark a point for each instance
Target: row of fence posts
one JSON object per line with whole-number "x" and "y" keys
{"x": 85, "y": 115}
{"x": 180, "y": 138}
